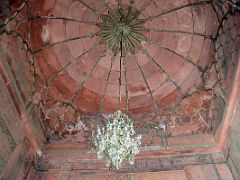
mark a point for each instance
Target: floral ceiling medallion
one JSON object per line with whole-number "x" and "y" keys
{"x": 122, "y": 30}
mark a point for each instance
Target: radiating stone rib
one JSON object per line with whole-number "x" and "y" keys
{"x": 60, "y": 18}
{"x": 180, "y": 32}
{"x": 185, "y": 59}
{"x": 90, "y": 35}
{"x": 162, "y": 70}
{"x": 89, "y": 7}
{"x": 106, "y": 83}
{"x": 87, "y": 76}
{"x": 149, "y": 18}
{"x": 69, "y": 63}
{"x": 156, "y": 107}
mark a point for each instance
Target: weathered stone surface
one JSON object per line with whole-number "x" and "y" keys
{"x": 7, "y": 144}
{"x": 214, "y": 172}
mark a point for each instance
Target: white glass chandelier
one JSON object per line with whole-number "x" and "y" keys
{"x": 117, "y": 141}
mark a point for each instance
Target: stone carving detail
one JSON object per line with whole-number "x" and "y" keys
{"x": 122, "y": 30}
{"x": 63, "y": 124}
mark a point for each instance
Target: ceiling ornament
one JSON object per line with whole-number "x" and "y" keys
{"x": 122, "y": 30}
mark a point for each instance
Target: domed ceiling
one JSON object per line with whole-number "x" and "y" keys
{"x": 148, "y": 58}
{"x": 168, "y": 65}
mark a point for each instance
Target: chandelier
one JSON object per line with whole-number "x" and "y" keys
{"x": 117, "y": 141}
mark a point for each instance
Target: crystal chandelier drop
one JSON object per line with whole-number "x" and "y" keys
{"x": 117, "y": 141}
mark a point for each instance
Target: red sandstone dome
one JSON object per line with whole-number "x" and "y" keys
{"x": 76, "y": 68}
{"x": 60, "y": 64}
